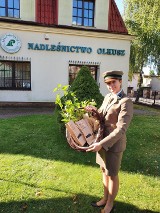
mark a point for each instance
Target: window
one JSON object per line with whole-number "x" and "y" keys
{"x": 10, "y": 8}
{"x": 15, "y": 75}
{"x": 83, "y": 13}
{"x": 74, "y": 69}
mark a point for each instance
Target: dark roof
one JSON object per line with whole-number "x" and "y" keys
{"x": 115, "y": 21}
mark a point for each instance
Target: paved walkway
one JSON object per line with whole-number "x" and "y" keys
{"x": 147, "y": 101}
{"x": 9, "y": 112}
{"x": 145, "y": 112}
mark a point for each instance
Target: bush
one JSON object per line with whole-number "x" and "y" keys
{"x": 71, "y": 100}
{"x": 70, "y": 107}
{"x": 86, "y": 87}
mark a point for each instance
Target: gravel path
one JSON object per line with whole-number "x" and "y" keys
{"x": 9, "y": 112}
{"x": 145, "y": 112}
{"x": 14, "y": 112}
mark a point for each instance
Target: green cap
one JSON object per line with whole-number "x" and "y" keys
{"x": 112, "y": 74}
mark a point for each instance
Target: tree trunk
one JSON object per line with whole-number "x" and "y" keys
{"x": 140, "y": 84}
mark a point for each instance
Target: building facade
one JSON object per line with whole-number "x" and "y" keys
{"x": 150, "y": 86}
{"x": 44, "y": 43}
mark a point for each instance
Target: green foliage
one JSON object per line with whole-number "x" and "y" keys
{"x": 71, "y": 100}
{"x": 86, "y": 87}
{"x": 151, "y": 72}
{"x": 143, "y": 20}
{"x": 71, "y": 108}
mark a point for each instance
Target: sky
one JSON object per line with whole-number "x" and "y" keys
{"x": 120, "y": 5}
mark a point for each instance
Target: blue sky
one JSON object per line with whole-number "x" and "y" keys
{"x": 120, "y": 5}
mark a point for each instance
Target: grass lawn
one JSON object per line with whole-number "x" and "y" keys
{"x": 40, "y": 173}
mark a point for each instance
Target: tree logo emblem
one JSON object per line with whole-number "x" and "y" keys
{"x": 10, "y": 43}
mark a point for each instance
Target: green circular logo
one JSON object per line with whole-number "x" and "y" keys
{"x": 10, "y": 43}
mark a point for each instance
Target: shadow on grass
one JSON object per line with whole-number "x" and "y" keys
{"x": 40, "y": 136}
{"x": 79, "y": 203}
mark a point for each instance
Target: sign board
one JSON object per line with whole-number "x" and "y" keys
{"x": 10, "y": 43}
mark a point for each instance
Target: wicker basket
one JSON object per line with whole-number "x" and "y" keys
{"x": 80, "y": 134}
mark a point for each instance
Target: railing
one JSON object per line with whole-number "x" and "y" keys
{"x": 151, "y": 98}
{"x": 147, "y": 101}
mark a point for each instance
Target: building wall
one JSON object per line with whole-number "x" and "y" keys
{"x": 147, "y": 81}
{"x": 49, "y": 68}
{"x": 155, "y": 83}
{"x": 150, "y": 85}
{"x": 27, "y": 10}
{"x": 134, "y": 82}
{"x": 101, "y": 14}
{"x": 65, "y": 12}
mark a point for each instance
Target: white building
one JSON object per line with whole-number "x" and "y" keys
{"x": 44, "y": 43}
{"x": 134, "y": 83}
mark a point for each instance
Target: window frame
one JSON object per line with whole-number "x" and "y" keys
{"x": 13, "y": 79}
{"x": 82, "y": 17}
{"x": 95, "y": 77}
{"x": 7, "y": 8}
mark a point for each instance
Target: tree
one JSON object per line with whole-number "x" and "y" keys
{"x": 86, "y": 87}
{"x": 71, "y": 100}
{"x": 143, "y": 20}
{"x": 151, "y": 72}
{"x": 158, "y": 72}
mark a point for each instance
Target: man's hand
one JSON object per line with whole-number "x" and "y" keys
{"x": 94, "y": 147}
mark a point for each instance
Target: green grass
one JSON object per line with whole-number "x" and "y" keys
{"x": 40, "y": 173}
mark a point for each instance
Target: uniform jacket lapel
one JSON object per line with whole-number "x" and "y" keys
{"x": 112, "y": 100}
